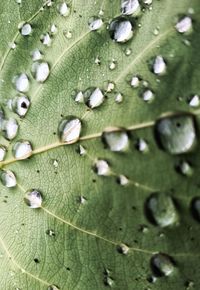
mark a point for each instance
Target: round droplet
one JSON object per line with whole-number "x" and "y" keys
{"x": 21, "y": 83}
{"x": 8, "y": 178}
{"x": 162, "y": 264}
{"x": 20, "y": 105}
{"x": 95, "y": 23}
{"x": 116, "y": 141}
{"x": 2, "y": 152}
{"x": 195, "y": 208}
{"x": 33, "y": 198}
{"x": 10, "y": 128}
{"x": 63, "y": 9}
{"x": 176, "y": 134}
{"x": 159, "y": 66}
{"x": 40, "y": 71}
{"x": 93, "y": 97}
{"x": 184, "y": 25}
{"x": 22, "y": 149}
{"x": 102, "y": 167}
{"x": 26, "y": 29}
{"x": 129, "y": 7}
{"x": 121, "y": 30}
{"x": 160, "y": 210}
{"x": 69, "y": 129}
{"x": 148, "y": 96}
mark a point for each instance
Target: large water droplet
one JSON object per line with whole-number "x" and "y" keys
{"x": 184, "y": 25}
{"x": 33, "y": 198}
{"x": 8, "y": 178}
{"x": 160, "y": 209}
{"x": 2, "y": 152}
{"x": 95, "y": 23}
{"x": 69, "y": 129}
{"x": 22, "y": 149}
{"x": 129, "y": 7}
{"x": 102, "y": 167}
{"x": 20, "y": 105}
{"x": 93, "y": 97}
{"x": 10, "y": 128}
{"x": 121, "y": 30}
{"x": 176, "y": 134}
{"x": 162, "y": 264}
{"x": 21, "y": 83}
{"x": 116, "y": 141}
{"x": 40, "y": 71}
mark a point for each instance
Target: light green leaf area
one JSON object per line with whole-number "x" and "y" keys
{"x": 97, "y": 232}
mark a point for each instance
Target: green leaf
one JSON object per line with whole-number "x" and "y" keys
{"x": 117, "y": 206}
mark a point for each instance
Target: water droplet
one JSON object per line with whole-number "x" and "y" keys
{"x": 82, "y": 150}
{"x": 184, "y": 25}
{"x": 160, "y": 210}
{"x": 162, "y": 264}
{"x": 110, "y": 87}
{"x": 2, "y": 152}
{"x": 95, "y": 23}
{"x": 21, "y": 83}
{"x": 18, "y": 1}
{"x": 195, "y": 208}
{"x": 26, "y": 29}
{"x": 20, "y": 105}
{"x": 185, "y": 168}
{"x": 123, "y": 180}
{"x": 22, "y": 149}
{"x": 102, "y": 167}
{"x": 159, "y": 66}
{"x": 8, "y": 178}
{"x": 121, "y": 30}
{"x": 63, "y": 9}
{"x": 116, "y": 141}
{"x": 53, "y": 287}
{"x": 12, "y": 45}
{"x": 108, "y": 281}
{"x": 148, "y": 96}
{"x": 129, "y": 7}
{"x": 112, "y": 65}
{"x": 119, "y": 98}
{"x": 135, "y": 81}
{"x": 93, "y": 97}
{"x": 97, "y": 61}
{"x": 79, "y": 98}
{"x": 53, "y": 29}
{"x": 10, "y": 128}
{"x": 148, "y": 2}
{"x": 156, "y": 31}
{"x": 46, "y": 39}
{"x": 50, "y": 233}
{"x": 41, "y": 71}
{"x": 128, "y": 51}
{"x": 142, "y": 146}
{"x": 55, "y": 163}
{"x": 123, "y": 249}
{"x": 36, "y": 55}
{"x": 176, "y": 134}
{"x": 69, "y": 129}
{"x": 33, "y": 198}
{"x": 82, "y": 199}
{"x": 194, "y": 101}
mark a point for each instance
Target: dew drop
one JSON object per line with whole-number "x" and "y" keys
{"x": 121, "y": 30}
{"x": 142, "y": 146}
{"x": 195, "y": 207}
{"x": 184, "y": 25}
{"x": 110, "y": 87}
{"x": 79, "y": 98}
{"x": 93, "y": 97}
{"x": 21, "y": 83}
{"x": 135, "y": 81}
{"x": 123, "y": 180}
{"x": 123, "y": 249}
{"x": 40, "y": 71}
{"x": 119, "y": 98}
{"x": 148, "y": 2}
{"x": 46, "y": 39}
{"x": 160, "y": 209}
{"x": 69, "y": 129}
{"x": 8, "y": 178}
{"x": 159, "y": 66}
{"x": 22, "y": 149}
{"x": 50, "y": 233}
{"x": 162, "y": 264}
{"x": 102, "y": 167}
{"x": 185, "y": 168}
{"x": 108, "y": 281}
{"x": 20, "y": 105}
{"x": 148, "y": 96}
{"x": 82, "y": 150}
{"x": 33, "y": 198}
{"x": 63, "y": 9}
{"x": 194, "y": 101}
{"x": 129, "y": 7}
{"x": 10, "y": 128}
{"x": 2, "y": 152}
{"x": 53, "y": 29}
{"x": 53, "y": 287}
{"x": 26, "y": 29}
{"x": 95, "y": 23}
{"x": 116, "y": 141}
{"x": 128, "y": 51}
{"x": 112, "y": 65}
{"x": 176, "y": 134}
{"x": 36, "y": 55}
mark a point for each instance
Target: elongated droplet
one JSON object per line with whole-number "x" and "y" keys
{"x": 159, "y": 66}
{"x": 116, "y": 141}
{"x": 33, "y": 198}
{"x": 69, "y": 129}
{"x": 40, "y": 71}
{"x": 121, "y": 30}
{"x": 21, "y": 83}
{"x": 176, "y": 134}
{"x": 11, "y": 128}
{"x": 93, "y": 97}
{"x": 184, "y": 25}
{"x": 129, "y": 7}
{"x": 102, "y": 167}
{"x": 20, "y": 105}
{"x": 22, "y": 149}
{"x": 161, "y": 210}
{"x": 162, "y": 264}
{"x": 8, "y": 178}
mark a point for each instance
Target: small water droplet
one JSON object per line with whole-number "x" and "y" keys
{"x": 148, "y": 96}
{"x": 46, "y": 39}
{"x": 108, "y": 281}
{"x": 97, "y": 61}
{"x": 119, "y": 98}
{"x": 82, "y": 150}
{"x": 12, "y": 45}
{"x": 128, "y": 51}
{"x": 135, "y": 81}
{"x": 123, "y": 249}
{"x": 159, "y": 66}
{"x": 156, "y": 31}
{"x": 184, "y": 25}
{"x": 147, "y": 2}
{"x": 82, "y": 199}
{"x": 194, "y": 101}
{"x": 116, "y": 141}
{"x": 53, "y": 287}
{"x": 102, "y": 167}
{"x": 21, "y": 83}
{"x": 36, "y": 55}
{"x": 33, "y": 198}
{"x": 129, "y": 7}
{"x": 79, "y": 98}
{"x": 93, "y": 97}
{"x": 22, "y": 149}
{"x": 2, "y": 152}
{"x": 10, "y": 128}
{"x": 123, "y": 180}
{"x": 176, "y": 134}
{"x": 110, "y": 87}
{"x": 142, "y": 146}
{"x": 63, "y": 9}
{"x": 53, "y": 29}
{"x": 69, "y": 129}
{"x": 160, "y": 210}
{"x": 162, "y": 264}
{"x": 40, "y": 71}
{"x": 20, "y": 105}
{"x": 26, "y": 29}
{"x": 185, "y": 168}
{"x": 112, "y": 65}
{"x": 95, "y": 23}
{"x": 121, "y": 30}
{"x": 50, "y": 233}
{"x": 55, "y": 163}
{"x": 8, "y": 178}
